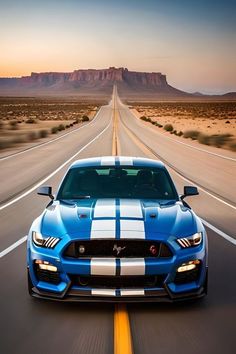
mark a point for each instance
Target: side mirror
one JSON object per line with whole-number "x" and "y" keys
{"x": 188, "y": 191}
{"x": 45, "y": 190}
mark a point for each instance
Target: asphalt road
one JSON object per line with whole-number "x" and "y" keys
{"x": 33, "y": 326}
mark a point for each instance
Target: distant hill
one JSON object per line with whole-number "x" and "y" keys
{"x": 131, "y": 84}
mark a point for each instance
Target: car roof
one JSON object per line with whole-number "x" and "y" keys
{"x": 117, "y": 161}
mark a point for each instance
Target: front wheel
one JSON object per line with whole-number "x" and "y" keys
{"x": 30, "y": 285}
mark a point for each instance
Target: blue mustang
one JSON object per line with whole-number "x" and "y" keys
{"x": 117, "y": 231}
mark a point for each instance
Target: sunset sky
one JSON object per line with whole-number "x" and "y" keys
{"x": 192, "y": 42}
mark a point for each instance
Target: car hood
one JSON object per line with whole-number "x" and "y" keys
{"x": 118, "y": 218}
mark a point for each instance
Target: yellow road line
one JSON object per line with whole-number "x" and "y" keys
{"x": 122, "y": 333}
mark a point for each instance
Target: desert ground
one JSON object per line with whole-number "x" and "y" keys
{"x": 211, "y": 123}
{"x": 27, "y": 120}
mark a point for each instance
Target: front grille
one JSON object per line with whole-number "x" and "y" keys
{"x": 47, "y": 276}
{"x": 187, "y": 277}
{"x": 98, "y": 281}
{"x": 118, "y": 249}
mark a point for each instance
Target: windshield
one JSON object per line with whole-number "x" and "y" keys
{"x": 117, "y": 182}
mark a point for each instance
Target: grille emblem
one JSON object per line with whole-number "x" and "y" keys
{"x": 81, "y": 249}
{"x": 118, "y": 249}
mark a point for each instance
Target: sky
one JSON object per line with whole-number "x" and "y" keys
{"x": 192, "y": 42}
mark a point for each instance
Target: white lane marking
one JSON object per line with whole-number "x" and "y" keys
{"x": 137, "y": 292}
{"x": 13, "y": 246}
{"x": 132, "y": 266}
{"x": 130, "y": 209}
{"x": 50, "y": 141}
{"x": 126, "y": 160}
{"x": 190, "y": 146}
{"x": 202, "y": 189}
{"x": 103, "y": 266}
{"x": 54, "y": 172}
{"x": 103, "y": 292}
{"x": 105, "y": 208}
{"x": 132, "y": 229}
{"x": 219, "y": 232}
{"x": 103, "y": 229}
{"x": 107, "y": 160}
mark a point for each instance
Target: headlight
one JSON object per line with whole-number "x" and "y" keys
{"x": 47, "y": 242}
{"x": 190, "y": 241}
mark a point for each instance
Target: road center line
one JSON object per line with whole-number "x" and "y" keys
{"x": 54, "y": 172}
{"x": 122, "y": 332}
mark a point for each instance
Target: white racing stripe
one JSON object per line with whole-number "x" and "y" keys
{"x": 103, "y": 266}
{"x": 132, "y": 266}
{"x": 54, "y": 172}
{"x": 130, "y": 209}
{"x": 105, "y": 208}
{"x": 108, "y": 160}
{"x": 130, "y": 292}
{"x": 103, "y": 292}
{"x": 103, "y": 229}
{"x": 50, "y": 141}
{"x": 132, "y": 229}
{"x": 128, "y": 161}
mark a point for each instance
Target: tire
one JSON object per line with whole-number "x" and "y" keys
{"x": 30, "y": 285}
{"x": 206, "y": 283}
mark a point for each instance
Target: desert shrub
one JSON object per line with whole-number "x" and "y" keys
{"x": 67, "y": 126}
{"x": 232, "y": 146}
{"x": 54, "y": 130}
{"x": 71, "y": 125}
{"x": 4, "y": 144}
{"x": 219, "y": 140}
{"x": 203, "y": 139}
{"x": 31, "y": 121}
{"x": 144, "y": 118}
{"x": 193, "y": 134}
{"x": 18, "y": 140}
{"x": 85, "y": 118}
{"x": 227, "y": 122}
{"x": 31, "y": 136}
{"x": 13, "y": 124}
{"x": 160, "y": 126}
{"x": 168, "y": 127}
{"x": 61, "y": 127}
{"x": 43, "y": 133}
{"x": 180, "y": 133}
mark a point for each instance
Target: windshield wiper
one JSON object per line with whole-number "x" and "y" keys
{"x": 82, "y": 197}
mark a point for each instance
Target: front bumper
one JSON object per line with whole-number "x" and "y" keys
{"x": 161, "y": 295}
{"x": 67, "y": 290}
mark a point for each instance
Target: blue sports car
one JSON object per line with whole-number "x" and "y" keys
{"x": 117, "y": 231}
